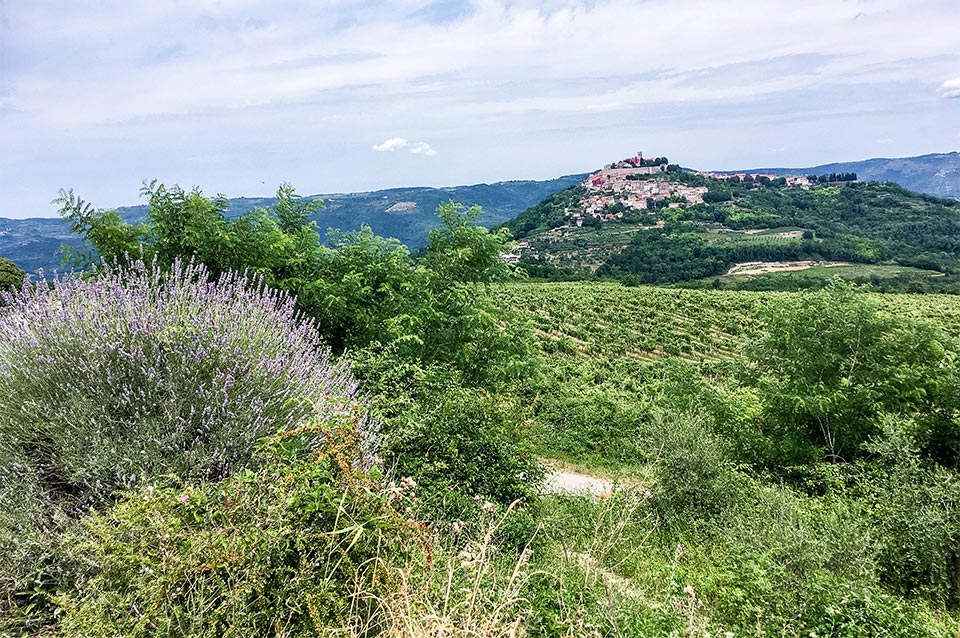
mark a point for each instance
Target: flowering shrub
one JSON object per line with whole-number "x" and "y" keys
{"x": 139, "y": 373}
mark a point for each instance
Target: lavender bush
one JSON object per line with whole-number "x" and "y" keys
{"x": 109, "y": 382}
{"x": 141, "y": 377}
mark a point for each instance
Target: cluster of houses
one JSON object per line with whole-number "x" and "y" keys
{"x": 513, "y": 256}
{"x": 625, "y": 183}
{"x": 797, "y": 181}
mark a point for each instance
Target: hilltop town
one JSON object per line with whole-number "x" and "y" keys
{"x": 632, "y": 183}
{"x": 641, "y": 184}
{"x": 586, "y": 224}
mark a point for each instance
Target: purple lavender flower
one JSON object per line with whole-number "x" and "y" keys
{"x": 141, "y": 373}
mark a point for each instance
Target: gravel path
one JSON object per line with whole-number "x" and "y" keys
{"x": 566, "y": 482}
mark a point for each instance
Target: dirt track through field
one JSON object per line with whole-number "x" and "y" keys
{"x": 566, "y": 482}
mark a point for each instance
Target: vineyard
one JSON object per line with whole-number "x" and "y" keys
{"x": 607, "y": 320}
{"x": 610, "y": 320}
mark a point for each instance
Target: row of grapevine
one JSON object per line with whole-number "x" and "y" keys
{"x": 612, "y": 321}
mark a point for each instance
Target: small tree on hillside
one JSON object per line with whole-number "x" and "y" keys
{"x": 11, "y": 277}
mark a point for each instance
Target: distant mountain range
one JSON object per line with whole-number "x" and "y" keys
{"x": 934, "y": 174}
{"x": 408, "y": 213}
{"x": 404, "y": 213}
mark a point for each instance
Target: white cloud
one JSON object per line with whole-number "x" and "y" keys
{"x": 397, "y": 143}
{"x": 950, "y": 88}
{"x": 422, "y": 148}
{"x": 391, "y": 145}
{"x": 113, "y": 63}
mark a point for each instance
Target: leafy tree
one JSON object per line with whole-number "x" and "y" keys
{"x": 11, "y": 277}
{"x": 185, "y": 224}
{"x": 363, "y": 290}
{"x": 461, "y": 250}
{"x": 831, "y": 364}
{"x": 106, "y": 234}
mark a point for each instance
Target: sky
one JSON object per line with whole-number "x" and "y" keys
{"x": 353, "y": 95}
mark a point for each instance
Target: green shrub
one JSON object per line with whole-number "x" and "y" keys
{"x": 462, "y": 446}
{"x": 746, "y": 592}
{"x": 915, "y": 514}
{"x": 11, "y": 277}
{"x": 695, "y": 480}
{"x": 590, "y": 426}
{"x": 830, "y": 364}
{"x": 277, "y": 551}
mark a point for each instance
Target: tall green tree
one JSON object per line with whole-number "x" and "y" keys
{"x": 278, "y": 243}
{"x": 462, "y": 250}
{"x": 11, "y": 277}
{"x": 365, "y": 291}
{"x": 831, "y": 364}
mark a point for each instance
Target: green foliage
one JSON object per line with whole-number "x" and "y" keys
{"x": 717, "y": 196}
{"x": 11, "y": 277}
{"x": 604, "y": 323}
{"x": 589, "y": 425}
{"x": 831, "y": 363}
{"x": 462, "y": 251}
{"x": 913, "y": 506}
{"x": 695, "y": 481}
{"x": 276, "y": 551}
{"x": 183, "y": 224}
{"x": 549, "y": 213}
{"x": 104, "y": 231}
{"x": 664, "y": 256}
{"x": 462, "y": 446}
{"x": 364, "y": 291}
{"x": 767, "y": 548}
{"x": 599, "y": 571}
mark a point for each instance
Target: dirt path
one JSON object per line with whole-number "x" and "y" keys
{"x": 566, "y": 482}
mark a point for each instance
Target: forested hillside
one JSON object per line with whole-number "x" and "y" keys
{"x": 935, "y": 174}
{"x": 722, "y": 222}
{"x": 406, "y": 214}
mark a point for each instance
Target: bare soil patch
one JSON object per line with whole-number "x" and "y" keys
{"x": 762, "y": 267}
